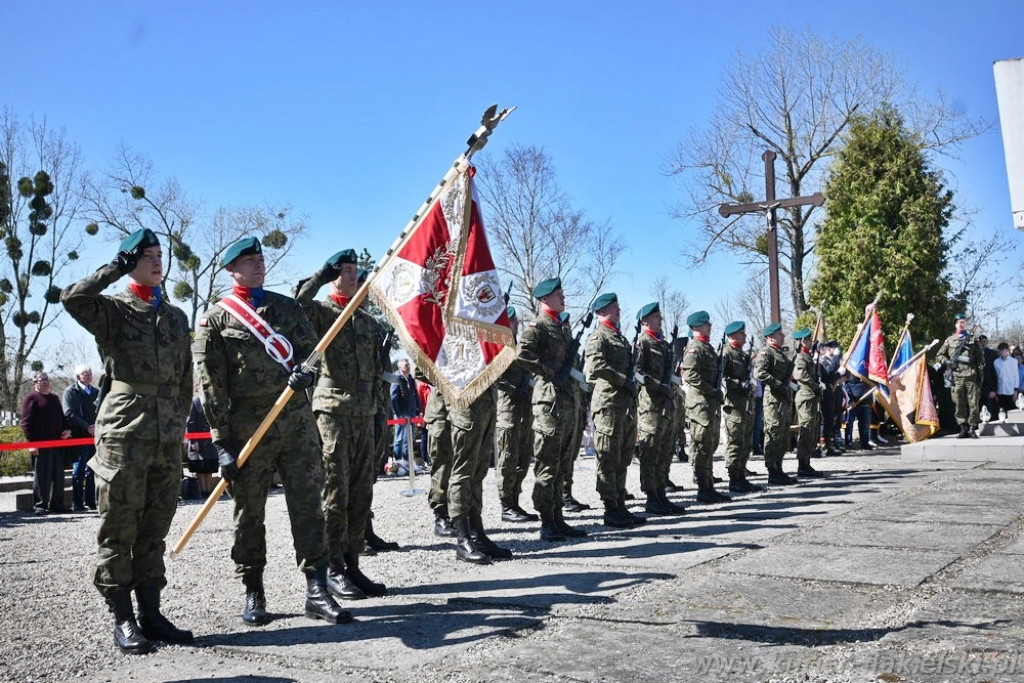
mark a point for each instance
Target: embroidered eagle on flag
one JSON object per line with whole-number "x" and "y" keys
{"x": 440, "y": 290}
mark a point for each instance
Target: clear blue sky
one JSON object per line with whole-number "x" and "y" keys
{"x": 351, "y": 112}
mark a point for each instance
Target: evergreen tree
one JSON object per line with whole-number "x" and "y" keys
{"x": 887, "y": 213}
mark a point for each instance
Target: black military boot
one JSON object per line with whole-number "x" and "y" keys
{"x": 338, "y": 584}
{"x": 466, "y": 549}
{"x": 965, "y": 432}
{"x": 656, "y": 506}
{"x": 570, "y": 504}
{"x": 621, "y": 503}
{"x": 672, "y": 488}
{"x": 442, "y": 525}
{"x": 376, "y": 542}
{"x": 509, "y": 513}
{"x": 549, "y": 531}
{"x": 255, "y": 613}
{"x": 776, "y": 477}
{"x": 319, "y": 603}
{"x": 676, "y": 509}
{"x": 614, "y": 516}
{"x": 567, "y": 530}
{"x": 127, "y": 634}
{"x": 530, "y": 517}
{"x": 484, "y": 544}
{"x": 706, "y": 492}
{"x": 735, "y": 481}
{"x": 153, "y": 624}
{"x": 973, "y": 432}
{"x": 805, "y": 470}
{"x": 356, "y": 576}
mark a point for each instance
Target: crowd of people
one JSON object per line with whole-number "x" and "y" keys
{"x": 640, "y": 398}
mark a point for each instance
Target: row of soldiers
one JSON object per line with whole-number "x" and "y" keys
{"x": 324, "y": 450}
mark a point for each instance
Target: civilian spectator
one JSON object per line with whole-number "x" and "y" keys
{"x": 1007, "y": 371}
{"x": 988, "y": 380}
{"x": 202, "y": 454}
{"x": 404, "y": 404}
{"x": 79, "y": 403}
{"x": 42, "y": 419}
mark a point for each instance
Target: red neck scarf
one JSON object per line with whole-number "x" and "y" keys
{"x": 772, "y": 343}
{"x": 340, "y": 299}
{"x": 650, "y": 333}
{"x": 735, "y": 343}
{"x": 151, "y": 295}
{"x": 551, "y": 314}
{"x": 251, "y": 295}
{"x": 700, "y": 337}
{"x": 610, "y": 325}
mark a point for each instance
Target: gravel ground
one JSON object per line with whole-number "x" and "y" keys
{"x": 56, "y": 628}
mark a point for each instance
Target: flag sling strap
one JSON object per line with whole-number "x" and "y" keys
{"x": 277, "y": 345}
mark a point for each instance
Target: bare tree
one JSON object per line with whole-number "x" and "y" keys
{"x": 39, "y": 206}
{"x": 673, "y": 303}
{"x": 797, "y": 97}
{"x": 974, "y": 274}
{"x": 539, "y": 234}
{"x": 754, "y": 303}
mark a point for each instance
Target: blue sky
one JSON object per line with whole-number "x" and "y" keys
{"x": 351, "y": 112}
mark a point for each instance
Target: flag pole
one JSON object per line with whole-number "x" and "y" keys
{"x": 913, "y": 358}
{"x": 488, "y": 122}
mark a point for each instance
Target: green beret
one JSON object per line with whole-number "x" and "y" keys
{"x": 245, "y": 247}
{"x": 605, "y": 299}
{"x": 772, "y": 329}
{"x": 511, "y": 310}
{"x": 647, "y": 310}
{"x": 545, "y": 287}
{"x": 362, "y": 275}
{"x": 697, "y": 319}
{"x": 344, "y": 256}
{"x": 564, "y": 317}
{"x": 140, "y": 239}
{"x": 960, "y": 316}
{"x": 734, "y": 327}
{"x": 802, "y": 333}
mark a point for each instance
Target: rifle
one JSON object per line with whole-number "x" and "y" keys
{"x": 508, "y": 292}
{"x": 947, "y": 375}
{"x": 568, "y": 368}
{"x": 670, "y": 363}
{"x": 721, "y": 364}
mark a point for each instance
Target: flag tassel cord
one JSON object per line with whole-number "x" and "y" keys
{"x": 913, "y": 358}
{"x": 490, "y": 120}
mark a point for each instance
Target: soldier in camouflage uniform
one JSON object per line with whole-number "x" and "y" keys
{"x": 609, "y": 370}
{"x": 657, "y": 411}
{"x": 775, "y": 370}
{"x": 344, "y": 405}
{"x": 546, "y": 349}
{"x": 439, "y": 447}
{"x": 808, "y": 402}
{"x": 144, "y": 342}
{"x": 514, "y": 435}
{"x": 967, "y": 368}
{"x": 738, "y": 408}
{"x": 569, "y": 503}
{"x": 241, "y": 383}
{"x": 703, "y": 404}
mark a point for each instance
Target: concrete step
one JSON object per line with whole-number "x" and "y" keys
{"x": 1001, "y": 429}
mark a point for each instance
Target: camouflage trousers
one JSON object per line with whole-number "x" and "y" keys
{"x": 614, "y": 436}
{"x": 572, "y": 453}
{"x": 809, "y": 420}
{"x": 439, "y": 447}
{"x": 137, "y": 485}
{"x": 967, "y": 397}
{"x": 704, "y": 443}
{"x": 472, "y": 446}
{"x": 553, "y": 435}
{"x": 739, "y": 436}
{"x": 656, "y": 444}
{"x": 515, "y": 448}
{"x": 777, "y": 421}
{"x": 349, "y": 473}
{"x": 290, "y": 447}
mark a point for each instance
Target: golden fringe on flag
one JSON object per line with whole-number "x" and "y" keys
{"x": 910, "y": 402}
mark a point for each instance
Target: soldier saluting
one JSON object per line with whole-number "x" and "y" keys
{"x": 144, "y": 342}
{"x": 245, "y": 349}
{"x": 546, "y": 350}
{"x": 962, "y": 355}
{"x": 775, "y": 370}
{"x": 609, "y": 369}
{"x": 344, "y": 403}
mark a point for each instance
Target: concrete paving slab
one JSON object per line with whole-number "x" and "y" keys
{"x": 888, "y": 534}
{"x": 900, "y": 567}
{"x": 965, "y": 620}
{"x": 943, "y": 513}
{"x": 986, "y": 497}
{"x": 997, "y": 572}
{"x": 1008, "y": 449}
{"x": 1016, "y": 547}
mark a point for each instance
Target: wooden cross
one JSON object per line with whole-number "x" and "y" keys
{"x": 768, "y": 207}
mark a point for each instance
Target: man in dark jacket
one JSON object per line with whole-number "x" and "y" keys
{"x": 80, "y": 415}
{"x": 42, "y": 420}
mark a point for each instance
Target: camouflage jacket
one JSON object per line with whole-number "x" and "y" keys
{"x": 350, "y": 371}
{"x": 700, "y": 373}
{"x": 514, "y": 393}
{"x": 652, "y": 355}
{"x": 775, "y": 370}
{"x": 237, "y": 373}
{"x": 609, "y": 359}
{"x": 805, "y": 374}
{"x": 543, "y": 349}
{"x": 739, "y": 386}
{"x": 971, "y": 362}
{"x": 143, "y": 346}
{"x": 435, "y": 415}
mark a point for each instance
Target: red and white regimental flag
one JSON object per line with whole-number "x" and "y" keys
{"x": 441, "y": 292}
